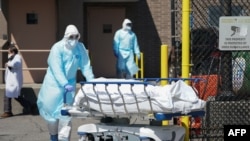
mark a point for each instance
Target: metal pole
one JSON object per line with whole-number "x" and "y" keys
{"x": 185, "y": 54}
{"x": 226, "y": 56}
{"x": 140, "y": 64}
{"x": 164, "y": 64}
{"x": 164, "y": 71}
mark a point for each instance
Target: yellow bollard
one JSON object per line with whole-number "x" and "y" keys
{"x": 164, "y": 64}
{"x": 185, "y": 123}
{"x": 164, "y": 71}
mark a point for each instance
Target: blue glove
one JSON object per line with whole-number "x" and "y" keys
{"x": 69, "y": 88}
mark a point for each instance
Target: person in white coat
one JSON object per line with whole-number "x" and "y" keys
{"x": 125, "y": 45}
{"x": 13, "y": 81}
{"x": 65, "y": 58}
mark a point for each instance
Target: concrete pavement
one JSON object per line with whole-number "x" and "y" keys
{"x": 33, "y": 128}
{"x": 30, "y": 127}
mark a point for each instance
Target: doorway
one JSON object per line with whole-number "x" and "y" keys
{"x": 102, "y": 25}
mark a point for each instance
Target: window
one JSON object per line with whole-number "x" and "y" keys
{"x": 31, "y": 18}
{"x": 107, "y": 28}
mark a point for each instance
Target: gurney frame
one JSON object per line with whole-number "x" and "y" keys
{"x": 111, "y": 132}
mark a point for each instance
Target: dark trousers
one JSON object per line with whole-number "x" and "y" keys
{"x": 8, "y": 106}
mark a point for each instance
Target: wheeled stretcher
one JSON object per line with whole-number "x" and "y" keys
{"x": 119, "y": 98}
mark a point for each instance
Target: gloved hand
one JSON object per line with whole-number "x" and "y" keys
{"x": 138, "y": 56}
{"x": 69, "y": 88}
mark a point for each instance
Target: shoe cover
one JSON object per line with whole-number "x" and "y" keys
{"x": 53, "y": 137}
{"x": 64, "y": 133}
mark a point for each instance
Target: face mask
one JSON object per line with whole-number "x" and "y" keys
{"x": 128, "y": 28}
{"x": 71, "y": 43}
{"x": 10, "y": 57}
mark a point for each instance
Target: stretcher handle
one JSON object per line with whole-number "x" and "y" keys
{"x": 171, "y": 79}
{"x": 64, "y": 97}
{"x": 115, "y": 82}
{"x": 64, "y": 110}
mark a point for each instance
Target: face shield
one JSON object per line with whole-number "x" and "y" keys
{"x": 74, "y": 37}
{"x": 129, "y": 26}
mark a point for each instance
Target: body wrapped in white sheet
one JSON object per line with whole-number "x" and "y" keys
{"x": 115, "y": 99}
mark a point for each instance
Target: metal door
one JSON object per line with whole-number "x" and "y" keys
{"x": 102, "y": 24}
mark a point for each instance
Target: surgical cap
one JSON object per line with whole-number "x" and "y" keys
{"x": 71, "y": 30}
{"x": 125, "y": 22}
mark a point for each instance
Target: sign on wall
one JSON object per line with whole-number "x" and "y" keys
{"x": 233, "y": 33}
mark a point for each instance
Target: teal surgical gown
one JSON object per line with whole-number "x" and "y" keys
{"x": 63, "y": 64}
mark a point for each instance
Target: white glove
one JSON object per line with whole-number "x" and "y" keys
{"x": 138, "y": 56}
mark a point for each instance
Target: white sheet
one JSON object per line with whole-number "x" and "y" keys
{"x": 171, "y": 98}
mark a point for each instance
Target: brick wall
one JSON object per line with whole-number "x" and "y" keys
{"x": 152, "y": 25}
{"x": 153, "y": 28}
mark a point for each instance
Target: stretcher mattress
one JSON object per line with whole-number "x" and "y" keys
{"x": 135, "y": 98}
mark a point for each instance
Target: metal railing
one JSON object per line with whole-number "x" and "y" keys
{"x": 27, "y": 50}
{"x": 140, "y": 64}
{"x": 139, "y": 74}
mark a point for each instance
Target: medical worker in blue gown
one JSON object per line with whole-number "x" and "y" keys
{"x": 65, "y": 58}
{"x": 125, "y": 45}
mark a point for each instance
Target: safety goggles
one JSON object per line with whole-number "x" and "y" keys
{"x": 129, "y": 24}
{"x": 73, "y": 37}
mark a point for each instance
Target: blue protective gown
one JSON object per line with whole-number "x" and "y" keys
{"x": 63, "y": 64}
{"x": 125, "y": 45}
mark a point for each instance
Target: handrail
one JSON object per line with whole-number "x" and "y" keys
{"x": 27, "y": 50}
{"x": 1, "y": 69}
{"x": 139, "y": 63}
